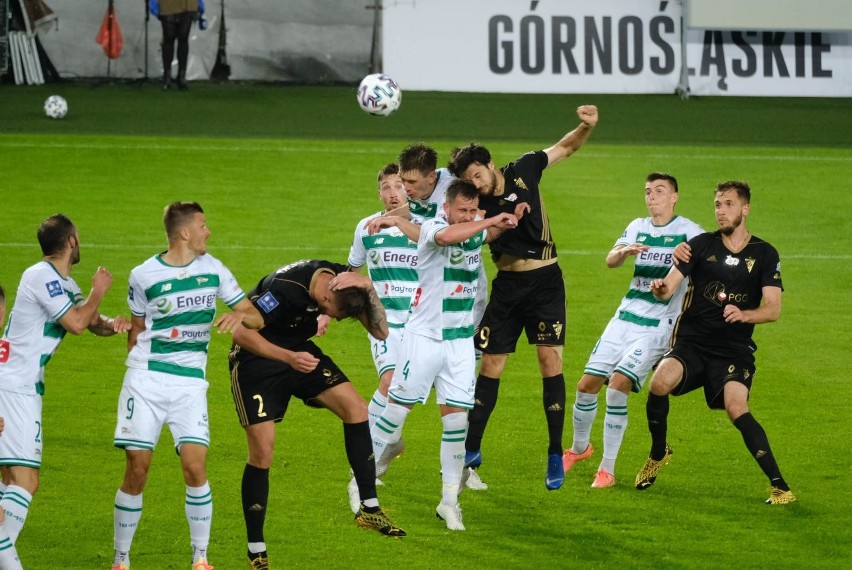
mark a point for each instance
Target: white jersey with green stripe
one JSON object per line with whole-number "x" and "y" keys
{"x": 433, "y": 206}
{"x": 33, "y": 332}
{"x": 639, "y": 304}
{"x": 391, "y": 260}
{"x": 442, "y": 307}
{"x": 179, "y": 304}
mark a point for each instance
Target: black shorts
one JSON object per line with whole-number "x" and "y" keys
{"x": 533, "y": 301}
{"x": 709, "y": 368}
{"x": 262, "y": 388}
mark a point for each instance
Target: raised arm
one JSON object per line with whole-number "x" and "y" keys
{"x": 457, "y": 233}
{"x": 373, "y": 318}
{"x": 573, "y": 140}
{"x": 78, "y": 319}
{"x": 409, "y": 228}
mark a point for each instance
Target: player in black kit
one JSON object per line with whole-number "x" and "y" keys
{"x": 734, "y": 284}
{"x": 528, "y": 292}
{"x": 270, "y": 366}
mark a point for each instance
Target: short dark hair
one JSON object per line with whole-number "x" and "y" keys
{"x": 177, "y": 214}
{"x": 461, "y": 188}
{"x": 2, "y": 295}
{"x": 462, "y": 158}
{"x": 53, "y": 233}
{"x": 418, "y": 157}
{"x": 389, "y": 169}
{"x": 741, "y": 188}
{"x": 352, "y": 301}
{"x": 662, "y": 176}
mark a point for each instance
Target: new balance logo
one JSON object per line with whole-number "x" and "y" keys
{"x": 201, "y": 280}
{"x": 166, "y": 287}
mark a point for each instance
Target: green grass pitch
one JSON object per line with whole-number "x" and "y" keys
{"x": 284, "y": 173}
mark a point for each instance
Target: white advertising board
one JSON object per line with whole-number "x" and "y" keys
{"x": 607, "y": 46}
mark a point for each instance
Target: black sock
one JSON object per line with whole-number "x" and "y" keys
{"x": 485, "y": 399}
{"x": 255, "y": 490}
{"x": 758, "y": 445}
{"x": 359, "y": 451}
{"x": 554, "y": 411}
{"x": 657, "y": 410}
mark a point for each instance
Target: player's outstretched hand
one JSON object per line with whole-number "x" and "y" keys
{"x": 349, "y": 279}
{"x": 120, "y": 325}
{"x": 504, "y": 221}
{"x": 682, "y": 252}
{"x": 659, "y": 288}
{"x": 521, "y": 209}
{"x": 102, "y": 280}
{"x": 322, "y": 324}
{"x": 227, "y": 321}
{"x": 588, "y": 114}
{"x": 376, "y": 224}
{"x": 303, "y": 361}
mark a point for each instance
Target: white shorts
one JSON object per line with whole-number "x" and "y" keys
{"x": 21, "y": 443}
{"x": 385, "y": 352}
{"x": 148, "y": 400}
{"x": 629, "y": 349}
{"x": 448, "y": 365}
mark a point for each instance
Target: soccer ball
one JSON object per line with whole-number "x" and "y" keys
{"x": 55, "y": 107}
{"x": 379, "y": 95}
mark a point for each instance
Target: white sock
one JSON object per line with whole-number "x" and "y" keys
{"x": 585, "y": 409}
{"x": 16, "y": 505}
{"x": 126, "y": 515}
{"x": 375, "y": 408}
{"x": 452, "y": 448}
{"x": 8, "y": 554}
{"x": 388, "y": 428}
{"x": 615, "y": 423}
{"x": 199, "y": 514}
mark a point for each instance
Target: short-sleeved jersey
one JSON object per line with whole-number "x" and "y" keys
{"x": 713, "y": 269}
{"x": 179, "y": 304}
{"x": 639, "y": 305}
{"x": 391, "y": 260}
{"x": 284, "y": 301}
{"x": 33, "y": 332}
{"x": 442, "y": 307}
{"x": 433, "y": 206}
{"x": 532, "y": 238}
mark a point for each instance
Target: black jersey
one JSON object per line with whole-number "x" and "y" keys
{"x": 284, "y": 301}
{"x": 532, "y": 238}
{"x": 718, "y": 277}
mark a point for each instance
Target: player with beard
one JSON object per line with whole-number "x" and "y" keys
{"x": 734, "y": 284}
{"x": 528, "y": 292}
{"x": 48, "y": 305}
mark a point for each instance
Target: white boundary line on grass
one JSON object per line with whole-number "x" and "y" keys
{"x": 237, "y": 247}
{"x": 683, "y": 154}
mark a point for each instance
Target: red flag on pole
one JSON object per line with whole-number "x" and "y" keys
{"x": 109, "y": 34}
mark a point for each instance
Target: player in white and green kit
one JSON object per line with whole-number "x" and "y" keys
{"x": 49, "y": 304}
{"x": 172, "y": 300}
{"x": 639, "y": 332}
{"x": 391, "y": 260}
{"x": 437, "y": 350}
